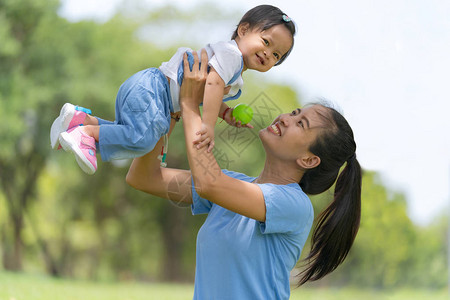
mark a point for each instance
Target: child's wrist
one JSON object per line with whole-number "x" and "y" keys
{"x": 225, "y": 112}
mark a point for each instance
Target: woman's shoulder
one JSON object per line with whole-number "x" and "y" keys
{"x": 238, "y": 175}
{"x": 290, "y": 194}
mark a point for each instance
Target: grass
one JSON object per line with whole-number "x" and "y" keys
{"x": 366, "y": 294}
{"x": 34, "y": 287}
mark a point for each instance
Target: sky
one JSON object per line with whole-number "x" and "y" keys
{"x": 385, "y": 63}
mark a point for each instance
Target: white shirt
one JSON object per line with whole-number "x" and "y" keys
{"x": 224, "y": 57}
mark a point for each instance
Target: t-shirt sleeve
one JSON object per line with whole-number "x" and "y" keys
{"x": 227, "y": 60}
{"x": 288, "y": 209}
{"x": 170, "y": 68}
{"x": 199, "y": 204}
{"x": 203, "y": 206}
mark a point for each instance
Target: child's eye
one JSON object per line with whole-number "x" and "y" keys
{"x": 277, "y": 56}
{"x": 266, "y": 42}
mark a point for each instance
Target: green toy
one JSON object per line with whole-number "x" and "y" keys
{"x": 243, "y": 113}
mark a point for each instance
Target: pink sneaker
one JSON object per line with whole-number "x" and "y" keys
{"x": 83, "y": 146}
{"x": 69, "y": 117}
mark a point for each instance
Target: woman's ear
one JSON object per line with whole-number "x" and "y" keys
{"x": 308, "y": 161}
{"x": 243, "y": 29}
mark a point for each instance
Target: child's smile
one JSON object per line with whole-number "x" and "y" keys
{"x": 261, "y": 50}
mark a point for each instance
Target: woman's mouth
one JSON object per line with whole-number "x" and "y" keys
{"x": 275, "y": 129}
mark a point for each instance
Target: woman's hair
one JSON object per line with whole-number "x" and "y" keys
{"x": 264, "y": 17}
{"x": 338, "y": 224}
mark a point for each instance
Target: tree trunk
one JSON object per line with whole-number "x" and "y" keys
{"x": 173, "y": 227}
{"x": 18, "y": 181}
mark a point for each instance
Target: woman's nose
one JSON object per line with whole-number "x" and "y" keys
{"x": 284, "y": 120}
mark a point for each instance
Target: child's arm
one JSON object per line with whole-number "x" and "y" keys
{"x": 212, "y": 103}
{"x": 226, "y": 113}
{"x": 224, "y": 108}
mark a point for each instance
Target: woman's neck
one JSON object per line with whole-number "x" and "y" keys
{"x": 277, "y": 173}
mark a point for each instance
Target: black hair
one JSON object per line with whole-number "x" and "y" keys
{"x": 338, "y": 224}
{"x": 264, "y": 17}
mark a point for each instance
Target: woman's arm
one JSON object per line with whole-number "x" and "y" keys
{"x": 147, "y": 175}
{"x": 233, "y": 194}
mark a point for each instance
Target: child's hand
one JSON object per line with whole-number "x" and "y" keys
{"x": 232, "y": 120}
{"x": 206, "y": 134}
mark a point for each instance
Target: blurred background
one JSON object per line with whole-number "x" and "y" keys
{"x": 384, "y": 64}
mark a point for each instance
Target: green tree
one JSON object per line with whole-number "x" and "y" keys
{"x": 81, "y": 226}
{"x": 21, "y": 97}
{"x": 430, "y": 256}
{"x": 390, "y": 250}
{"x": 385, "y": 238}
{"x": 60, "y": 220}
{"x": 47, "y": 61}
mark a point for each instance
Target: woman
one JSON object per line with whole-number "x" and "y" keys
{"x": 257, "y": 227}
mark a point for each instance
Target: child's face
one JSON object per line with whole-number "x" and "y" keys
{"x": 261, "y": 50}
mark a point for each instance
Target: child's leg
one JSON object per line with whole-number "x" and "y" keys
{"x": 90, "y": 120}
{"x": 92, "y": 131}
{"x": 76, "y": 141}
{"x": 92, "y": 128}
{"x": 81, "y": 140}
{"x": 142, "y": 117}
{"x": 67, "y": 133}
{"x": 69, "y": 117}
{"x": 175, "y": 117}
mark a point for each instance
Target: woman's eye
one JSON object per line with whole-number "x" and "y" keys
{"x": 277, "y": 56}
{"x": 266, "y": 42}
{"x": 301, "y": 123}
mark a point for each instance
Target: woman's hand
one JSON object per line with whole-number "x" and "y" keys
{"x": 193, "y": 86}
{"x": 241, "y": 197}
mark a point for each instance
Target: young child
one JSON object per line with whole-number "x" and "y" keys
{"x": 148, "y": 100}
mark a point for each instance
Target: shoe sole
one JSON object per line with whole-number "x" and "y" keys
{"x": 70, "y": 145}
{"x": 59, "y": 126}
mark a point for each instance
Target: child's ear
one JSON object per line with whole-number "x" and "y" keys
{"x": 243, "y": 29}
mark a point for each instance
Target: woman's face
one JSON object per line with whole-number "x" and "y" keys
{"x": 290, "y": 135}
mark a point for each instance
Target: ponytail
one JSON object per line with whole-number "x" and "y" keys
{"x": 336, "y": 227}
{"x": 338, "y": 224}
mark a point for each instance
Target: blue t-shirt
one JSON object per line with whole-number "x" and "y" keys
{"x": 241, "y": 258}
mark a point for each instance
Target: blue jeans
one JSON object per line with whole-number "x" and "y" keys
{"x": 143, "y": 107}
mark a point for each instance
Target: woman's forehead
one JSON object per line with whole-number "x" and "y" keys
{"x": 318, "y": 114}
{"x": 309, "y": 108}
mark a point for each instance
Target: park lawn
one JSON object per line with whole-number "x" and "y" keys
{"x": 15, "y": 286}
{"x": 366, "y": 294}
{"x": 35, "y": 287}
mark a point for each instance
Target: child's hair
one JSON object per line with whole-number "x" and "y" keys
{"x": 264, "y": 17}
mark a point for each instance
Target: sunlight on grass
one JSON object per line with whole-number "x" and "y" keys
{"x": 34, "y": 287}
{"x": 365, "y": 294}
